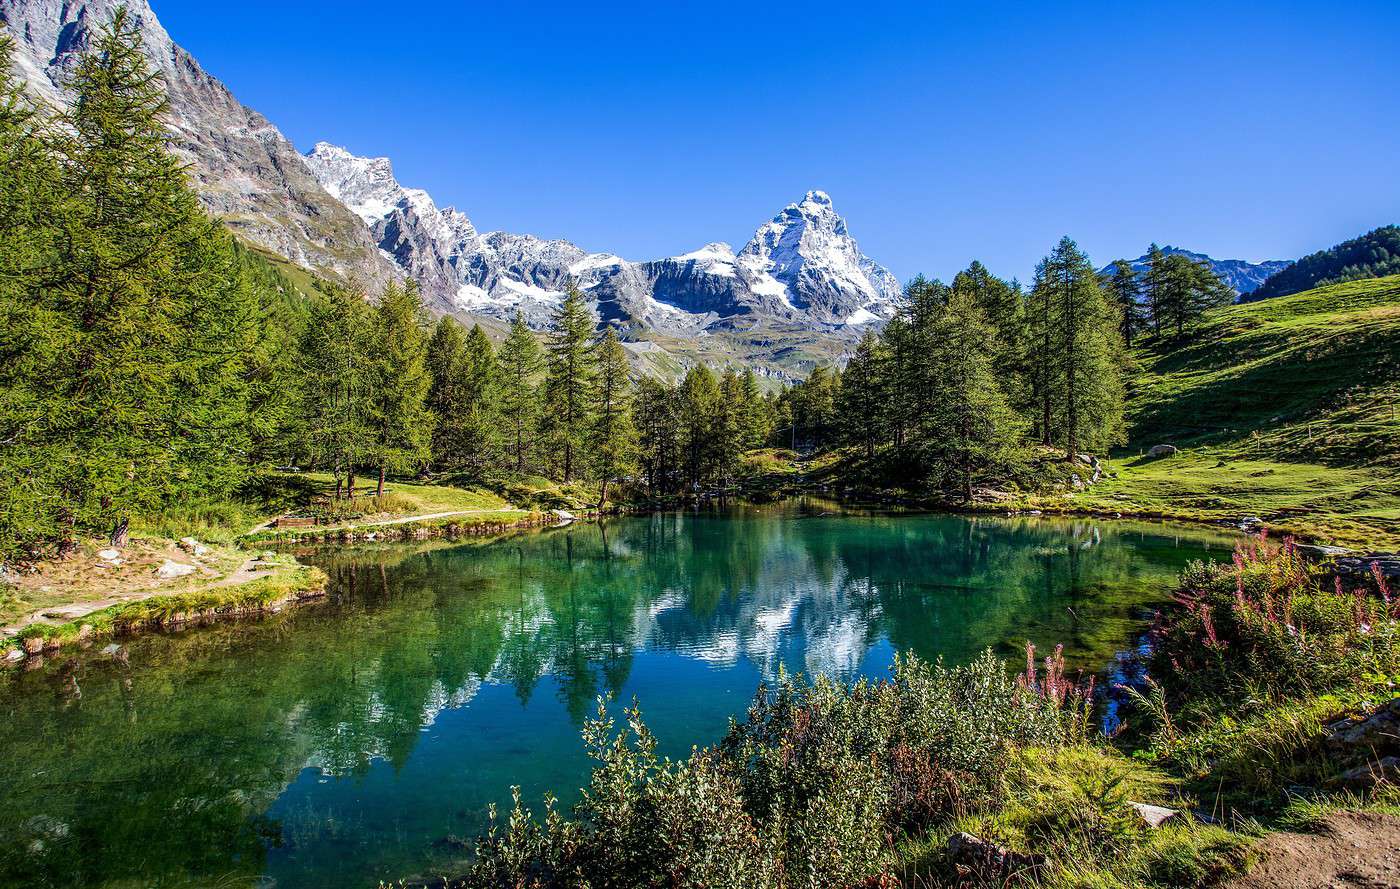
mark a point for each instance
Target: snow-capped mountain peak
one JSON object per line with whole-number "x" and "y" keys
{"x": 808, "y": 248}
{"x": 802, "y": 266}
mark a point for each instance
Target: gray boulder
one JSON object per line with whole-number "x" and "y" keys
{"x": 1162, "y": 450}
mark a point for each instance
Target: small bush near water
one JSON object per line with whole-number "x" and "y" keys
{"x": 816, "y": 787}
{"x": 825, "y": 784}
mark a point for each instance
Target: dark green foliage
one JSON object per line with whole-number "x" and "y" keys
{"x": 612, "y": 437}
{"x": 520, "y": 364}
{"x": 138, "y": 323}
{"x": 336, "y": 377}
{"x": 1075, "y": 354}
{"x": 1373, "y": 255}
{"x": 1124, "y": 290}
{"x": 399, "y": 420}
{"x": 568, "y": 384}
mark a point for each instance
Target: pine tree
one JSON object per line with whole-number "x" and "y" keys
{"x": 31, "y": 337}
{"x": 520, "y": 362}
{"x": 974, "y": 432}
{"x": 863, "y": 405}
{"x": 1079, "y": 352}
{"x": 613, "y": 437}
{"x": 446, "y": 362}
{"x": 1125, "y": 291}
{"x": 399, "y": 418}
{"x": 699, "y": 409}
{"x": 336, "y": 383}
{"x": 481, "y": 420}
{"x": 1154, "y": 287}
{"x": 147, "y": 400}
{"x": 755, "y": 417}
{"x": 569, "y": 382}
{"x": 657, "y": 418}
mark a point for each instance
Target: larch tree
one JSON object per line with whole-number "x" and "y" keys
{"x": 1081, "y": 352}
{"x": 520, "y": 361}
{"x": 658, "y": 425}
{"x": 1124, "y": 289}
{"x": 149, "y": 309}
{"x": 399, "y": 417}
{"x": 336, "y": 381}
{"x": 863, "y": 405}
{"x": 613, "y": 438}
{"x": 569, "y": 383}
{"x": 446, "y": 362}
{"x": 974, "y": 431}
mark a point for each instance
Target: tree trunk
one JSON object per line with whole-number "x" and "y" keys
{"x": 603, "y": 494}
{"x": 379, "y": 491}
{"x": 350, "y": 482}
{"x": 68, "y": 539}
{"x": 121, "y": 533}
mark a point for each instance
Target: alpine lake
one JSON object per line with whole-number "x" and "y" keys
{"x": 363, "y": 738}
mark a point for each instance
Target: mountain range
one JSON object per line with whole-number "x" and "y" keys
{"x": 1242, "y": 276}
{"x": 798, "y": 294}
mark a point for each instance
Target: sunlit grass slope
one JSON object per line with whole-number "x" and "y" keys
{"x": 1287, "y": 409}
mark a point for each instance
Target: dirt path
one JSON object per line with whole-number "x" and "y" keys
{"x": 401, "y": 520}
{"x": 250, "y": 570}
{"x": 1349, "y": 849}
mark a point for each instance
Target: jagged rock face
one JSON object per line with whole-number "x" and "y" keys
{"x": 1241, "y": 276}
{"x": 808, "y": 249}
{"x": 244, "y": 170}
{"x": 802, "y": 267}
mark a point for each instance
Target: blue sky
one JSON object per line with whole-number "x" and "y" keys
{"x": 944, "y": 132}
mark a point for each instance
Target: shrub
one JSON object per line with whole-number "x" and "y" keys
{"x": 1271, "y": 624}
{"x": 811, "y": 789}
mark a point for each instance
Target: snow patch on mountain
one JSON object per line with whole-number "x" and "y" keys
{"x": 802, "y": 266}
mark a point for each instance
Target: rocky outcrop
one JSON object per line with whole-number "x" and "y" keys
{"x": 1161, "y": 450}
{"x": 242, "y": 167}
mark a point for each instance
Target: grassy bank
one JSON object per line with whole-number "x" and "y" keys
{"x": 1286, "y": 409}
{"x": 285, "y": 584}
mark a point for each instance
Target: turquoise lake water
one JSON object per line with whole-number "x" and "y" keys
{"x": 362, "y": 739}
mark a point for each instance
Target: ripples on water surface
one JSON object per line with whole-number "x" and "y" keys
{"x": 345, "y": 743}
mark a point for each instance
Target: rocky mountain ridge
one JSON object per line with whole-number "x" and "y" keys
{"x": 1242, "y": 276}
{"x": 802, "y": 266}
{"x": 244, "y": 169}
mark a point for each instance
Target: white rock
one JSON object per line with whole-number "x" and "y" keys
{"x": 192, "y": 546}
{"x": 170, "y": 569}
{"x": 110, "y": 555}
{"x": 14, "y": 655}
{"x": 1153, "y": 816}
{"x": 564, "y": 515}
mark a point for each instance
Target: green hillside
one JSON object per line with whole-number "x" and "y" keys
{"x": 1284, "y": 409}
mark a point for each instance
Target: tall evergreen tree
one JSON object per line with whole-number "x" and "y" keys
{"x": 1155, "y": 287}
{"x": 336, "y": 382}
{"x": 520, "y": 362}
{"x": 481, "y": 420}
{"x": 447, "y": 362}
{"x": 658, "y": 427}
{"x": 399, "y": 417}
{"x": 1124, "y": 290}
{"x": 1081, "y": 357}
{"x": 699, "y": 409}
{"x": 31, "y": 339}
{"x": 612, "y": 441}
{"x": 154, "y": 314}
{"x": 863, "y": 406}
{"x": 974, "y": 432}
{"x": 569, "y": 383}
